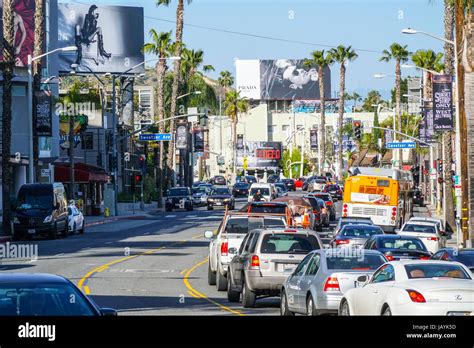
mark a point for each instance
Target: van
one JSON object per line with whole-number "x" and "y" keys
{"x": 267, "y": 190}
{"x": 40, "y": 210}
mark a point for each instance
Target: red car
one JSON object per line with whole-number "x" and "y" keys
{"x": 299, "y": 183}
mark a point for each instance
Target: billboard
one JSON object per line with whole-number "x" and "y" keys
{"x": 283, "y": 79}
{"x": 108, "y": 38}
{"x": 443, "y": 102}
{"x": 198, "y": 133}
{"x": 24, "y": 23}
{"x": 260, "y": 154}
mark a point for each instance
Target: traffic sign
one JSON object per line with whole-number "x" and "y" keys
{"x": 401, "y": 145}
{"x": 155, "y": 137}
{"x": 457, "y": 180}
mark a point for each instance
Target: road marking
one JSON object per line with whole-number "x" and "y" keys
{"x": 86, "y": 290}
{"x": 203, "y": 296}
{"x": 182, "y": 272}
{"x": 170, "y": 216}
{"x": 193, "y": 294}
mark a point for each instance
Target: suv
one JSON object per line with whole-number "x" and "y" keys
{"x": 225, "y": 243}
{"x": 326, "y": 197}
{"x": 316, "y": 185}
{"x": 220, "y": 196}
{"x": 218, "y": 180}
{"x": 321, "y": 217}
{"x": 265, "y": 259}
{"x": 179, "y": 197}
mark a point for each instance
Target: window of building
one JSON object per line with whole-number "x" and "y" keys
{"x": 87, "y": 141}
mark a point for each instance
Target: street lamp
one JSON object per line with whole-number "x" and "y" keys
{"x": 31, "y": 176}
{"x": 408, "y": 66}
{"x": 381, "y": 76}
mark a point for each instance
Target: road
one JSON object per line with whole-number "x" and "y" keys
{"x": 145, "y": 266}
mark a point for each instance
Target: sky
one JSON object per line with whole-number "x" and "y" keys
{"x": 369, "y": 26}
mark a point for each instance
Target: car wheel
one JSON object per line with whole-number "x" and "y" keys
{"x": 387, "y": 311}
{"x": 221, "y": 281}
{"x": 310, "y": 308}
{"x": 83, "y": 229}
{"x": 211, "y": 276}
{"x": 344, "y": 309}
{"x": 54, "y": 232}
{"x": 248, "y": 297}
{"x": 232, "y": 295}
{"x": 284, "y": 311}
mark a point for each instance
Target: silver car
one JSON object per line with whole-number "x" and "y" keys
{"x": 319, "y": 282}
{"x": 264, "y": 258}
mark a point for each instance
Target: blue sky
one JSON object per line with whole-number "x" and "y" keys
{"x": 365, "y": 24}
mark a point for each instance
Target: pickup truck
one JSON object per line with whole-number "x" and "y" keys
{"x": 226, "y": 241}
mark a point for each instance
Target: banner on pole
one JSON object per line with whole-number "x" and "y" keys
{"x": 313, "y": 139}
{"x": 443, "y": 103}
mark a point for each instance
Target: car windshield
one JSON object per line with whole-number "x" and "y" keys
{"x": 419, "y": 228}
{"x": 355, "y": 262}
{"x": 263, "y": 190}
{"x": 355, "y": 222}
{"x": 34, "y": 199}
{"x": 436, "y": 271}
{"x": 402, "y": 244}
{"x": 179, "y": 192}
{"x": 220, "y": 191}
{"x": 360, "y": 231}
{"x": 268, "y": 208}
{"x": 332, "y": 187}
{"x": 42, "y": 300}
{"x": 245, "y": 224}
{"x": 286, "y": 243}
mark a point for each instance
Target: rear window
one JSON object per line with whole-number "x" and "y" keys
{"x": 220, "y": 191}
{"x": 419, "y": 228}
{"x": 273, "y": 209}
{"x": 436, "y": 271}
{"x": 244, "y": 224}
{"x": 179, "y": 192}
{"x": 287, "y": 243}
{"x": 332, "y": 187}
{"x": 356, "y": 262}
{"x": 263, "y": 190}
{"x": 402, "y": 244}
{"x": 359, "y": 231}
{"x": 356, "y": 222}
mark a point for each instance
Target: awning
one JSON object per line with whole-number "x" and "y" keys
{"x": 83, "y": 173}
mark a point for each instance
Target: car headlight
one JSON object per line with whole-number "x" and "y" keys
{"x": 227, "y": 200}
{"x": 48, "y": 219}
{"x": 210, "y": 200}
{"x": 15, "y": 220}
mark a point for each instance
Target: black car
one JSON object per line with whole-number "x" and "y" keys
{"x": 240, "y": 189}
{"x": 327, "y": 198}
{"x": 40, "y": 209}
{"x": 218, "y": 180}
{"x": 334, "y": 190}
{"x": 179, "y": 197}
{"x": 418, "y": 198}
{"x": 44, "y": 295}
{"x": 273, "y": 178}
{"x": 464, "y": 256}
{"x": 396, "y": 247}
{"x": 290, "y": 184}
{"x": 220, "y": 197}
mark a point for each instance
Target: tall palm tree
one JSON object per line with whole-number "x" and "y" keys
{"x": 400, "y": 54}
{"x": 430, "y": 60}
{"x": 191, "y": 61}
{"x": 160, "y": 46}
{"x": 356, "y": 98}
{"x": 342, "y": 55}
{"x": 38, "y": 50}
{"x": 177, "y": 68}
{"x": 235, "y": 104}
{"x": 321, "y": 60}
{"x": 8, "y": 65}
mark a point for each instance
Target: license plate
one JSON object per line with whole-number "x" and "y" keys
{"x": 31, "y": 231}
{"x": 218, "y": 203}
{"x": 282, "y": 267}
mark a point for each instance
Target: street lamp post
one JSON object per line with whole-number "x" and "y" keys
{"x": 31, "y": 59}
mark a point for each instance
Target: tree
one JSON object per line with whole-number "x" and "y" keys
{"x": 177, "y": 68}
{"x": 321, "y": 60}
{"x": 430, "y": 60}
{"x": 295, "y": 158}
{"x": 8, "y": 66}
{"x": 342, "y": 55}
{"x": 160, "y": 45}
{"x": 225, "y": 80}
{"x": 356, "y": 98}
{"x": 403, "y": 90}
{"x": 373, "y": 97}
{"x": 400, "y": 54}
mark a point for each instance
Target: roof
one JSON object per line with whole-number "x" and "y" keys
{"x": 423, "y": 262}
{"x": 422, "y": 218}
{"x": 394, "y": 236}
{"x": 421, "y": 223}
{"x": 28, "y": 278}
{"x": 343, "y": 252}
{"x": 282, "y": 204}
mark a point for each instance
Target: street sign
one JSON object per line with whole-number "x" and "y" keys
{"x": 155, "y": 137}
{"x": 457, "y": 180}
{"x": 45, "y": 173}
{"x": 401, "y": 145}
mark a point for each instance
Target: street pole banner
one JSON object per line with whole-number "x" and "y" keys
{"x": 429, "y": 120}
{"x": 388, "y": 137}
{"x": 443, "y": 102}
{"x": 313, "y": 139}
{"x": 127, "y": 102}
{"x": 182, "y": 136}
{"x": 198, "y": 134}
{"x": 43, "y": 114}
{"x": 422, "y": 133}
{"x": 240, "y": 142}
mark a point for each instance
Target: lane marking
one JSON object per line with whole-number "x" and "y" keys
{"x": 86, "y": 290}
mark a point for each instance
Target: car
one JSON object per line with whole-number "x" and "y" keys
{"x": 41, "y": 295}
{"x": 220, "y": 196}
{"x": 334, "y": 190}
{"x": 317, "y": 285}
{"x": 261, "y": 264}
{"x": 321, "y": 216}
{"x": 331, "y": 207}
{"x": 200, "y": 194}
{"x": 40, "y": 210}
{"x": 267, "y": 191}
{"x": 199, "y": 183}
{"x": 464, "y": 256}
{"x": 354, "y": 236}
{"x": 353, "y": 221}
{"x": 316, "y": 185}
{"x": 289, "y": 183}
{"x": 427, "y": 231}
{"x": 412, "y": 287}
{"x": 281, "y": 189}
{"x": 299, "y": 182}
{"x": 268, "y": 208}
{"x": 75, "y": 220}
{"x": 250, "y": 179}
{"x": 240, "y": 189}
{"x": 273, "y": 178}
{"x": 396, "y": 247}
{"x": 418, "y": 198}
{"x": 225, "y": 242}
{"x": 179, "y": 197}
{"x": 436, "y": 221}
{"x": 218, "y": 180}
{"x": 311, "y": 179}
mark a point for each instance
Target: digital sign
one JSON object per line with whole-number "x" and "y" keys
{"x": 260, "y": 154}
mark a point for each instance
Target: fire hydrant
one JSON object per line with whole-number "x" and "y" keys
{"x": 107, "y": 212}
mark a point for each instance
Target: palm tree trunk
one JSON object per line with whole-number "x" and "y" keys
{"x": 398, "y": 106}
{"x": 38, "y": 50}
{"x": 342, "y": 82}
{"x": 175, "y": 87}
{"x": 323, "y": 119}
{"x": 9, "y": 61}
{"x": 161, "y": 70}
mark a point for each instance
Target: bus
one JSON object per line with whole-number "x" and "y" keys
{"x": 387, "y": 201}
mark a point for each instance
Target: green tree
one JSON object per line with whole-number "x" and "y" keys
{"x": 235, "y": 104}
{"x": 430, "y": 60}
{"x": 403, "y": 89}
{"x": 294, "y": 159}
{"x": 373, "y": 97}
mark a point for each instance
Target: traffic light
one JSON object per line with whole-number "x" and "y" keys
{"x": 142, "y": 163}
{"x": 358, "y": 130}
{"x": 440, "y": 166}
{"x": 138, "y": 179}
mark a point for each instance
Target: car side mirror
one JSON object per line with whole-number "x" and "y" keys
{"x": 108, "y": 312}
{"x": 209, "y": 234}
{"x": 233, "y": 251}
{"x": 361, "y": 281}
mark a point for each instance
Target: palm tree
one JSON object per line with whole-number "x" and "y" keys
{"x": 225, "y": 80}
{"x": 191, "y": 61}
{"x": 8, "y": 65}
{"x": 321, "y": 60}
{"x": 160, "y": 46}
{"x": 356, "y": 98}
{"x": 235, "y": 104}
{"x": 400, "y": 54}
{"x": 430, "y": 60}
{"x": 177, "y": 68}
{"x": 342, "y": 55}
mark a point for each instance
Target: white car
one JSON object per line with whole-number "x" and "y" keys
{"x": 268, "y": 191}
{"x": 438, "y": 222}
{"x": 412, "y": 287}
{"x": 428, "y": 233}
{"x": 75, "y": 220}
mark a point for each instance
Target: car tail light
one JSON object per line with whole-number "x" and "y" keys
{"x": 389, "y": 256}
{"x": 435, "y": 239}
{"x": 255, "y": 262}
{"x": 342, "y": 241}
{"x": 332, "y": 284}
{"x": 329, "y": 204}
{"x": 415, "y": 296}
{"x": 225, "y": 249}
{"x": 424, "y": 258}
{"x": 339, "y": 192}
{"x": 290, "y": 231}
